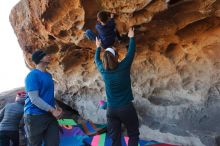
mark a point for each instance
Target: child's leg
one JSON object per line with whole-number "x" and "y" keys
{"x": 90, "y": 35}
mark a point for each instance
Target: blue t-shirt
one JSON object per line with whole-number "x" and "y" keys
{"x": 106, "y": 33}
{"x": 42, "y": 82}
{"x": 118, "y": 81}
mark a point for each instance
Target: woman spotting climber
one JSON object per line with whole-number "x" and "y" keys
{"x": 116, "y": 76}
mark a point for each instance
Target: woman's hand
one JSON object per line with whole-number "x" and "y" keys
{"x": 98, "y": 42}
{"x": 131, "y": 32}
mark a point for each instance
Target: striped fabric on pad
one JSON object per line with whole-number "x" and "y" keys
{"x": 70, "y": 133}
{"x": 105, "y": 140}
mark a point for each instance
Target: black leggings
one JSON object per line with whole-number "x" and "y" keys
{"x": 128, "y": 116}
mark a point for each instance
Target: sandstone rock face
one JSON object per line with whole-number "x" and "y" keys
{"x": 175, "y": 74}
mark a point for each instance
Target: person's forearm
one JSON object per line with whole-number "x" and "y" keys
{"x": 2, "y": 114}
{"x": 112, "y": 22}
{"x": 21, "y": 123}
{"x": 131, "y": 52}
{"x": 97, "y": 55}
{"x": 36, "y": 100}
{"x": 131, "y": 45}
{"x": 131, "y": 49}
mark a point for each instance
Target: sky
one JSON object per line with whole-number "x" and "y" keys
{"x": 13, "y": 69}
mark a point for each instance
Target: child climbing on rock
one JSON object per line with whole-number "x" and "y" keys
{"x": 106, "y": 30}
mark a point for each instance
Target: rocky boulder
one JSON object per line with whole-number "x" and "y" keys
{"x": 175, "y": 74}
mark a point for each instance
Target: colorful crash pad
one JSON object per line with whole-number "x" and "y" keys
{"x": 105, "y": 140}
{"x": 70, "y": 134}
{"x": 92, "y": 129}
{"x": 67, "y": 122}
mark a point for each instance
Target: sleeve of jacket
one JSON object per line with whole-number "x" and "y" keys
{"x": 2, "y": 112}
{"x": 127, "y": 61}
{"x": 98, "y": 61}
{"x": 36, "y": 100}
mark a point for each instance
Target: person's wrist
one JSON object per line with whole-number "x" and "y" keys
{"x": 51, "y": 110}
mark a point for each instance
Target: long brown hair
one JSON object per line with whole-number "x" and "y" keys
{"x": 110, "y": 62}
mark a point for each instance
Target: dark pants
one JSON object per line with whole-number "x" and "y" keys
{"x": 42, "y": 129}
{"x": 90, "y": 35}
{"x": 128, "y": 116}
{"x": 7, "y": 136}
